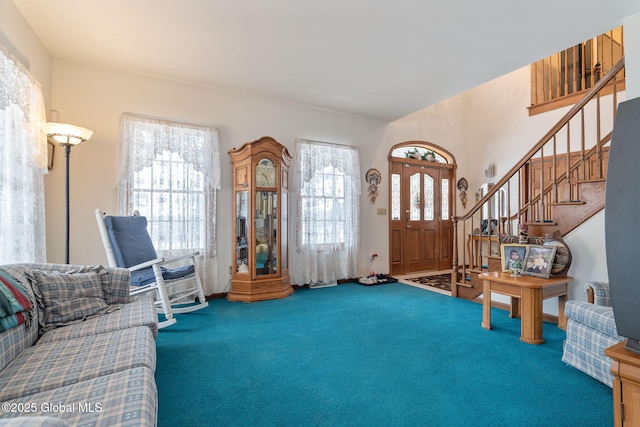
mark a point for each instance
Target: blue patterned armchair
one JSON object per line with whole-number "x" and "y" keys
{"x": 591, "y": 328}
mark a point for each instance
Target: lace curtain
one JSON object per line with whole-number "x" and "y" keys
{"x": 23, "y": 156}
{"x": 326, "y": 182}
{"x": 170, "y": 171}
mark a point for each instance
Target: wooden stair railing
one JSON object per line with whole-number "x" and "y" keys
{"x": 527, "y": 194}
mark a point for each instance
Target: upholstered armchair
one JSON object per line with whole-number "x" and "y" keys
{"x": 591, "y": 328}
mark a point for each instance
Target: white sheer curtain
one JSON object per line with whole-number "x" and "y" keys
{"x": 23, "y": 163}
{"x": 326, "y": 184}
{"x": 170, "y": 171}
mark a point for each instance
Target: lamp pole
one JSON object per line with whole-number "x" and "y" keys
{"x": 67, "y": 154}
{"x": 66, "y": 135}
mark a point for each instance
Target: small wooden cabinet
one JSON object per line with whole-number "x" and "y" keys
{"x": 626, "y": 385}
{"x": 260, "y": 203}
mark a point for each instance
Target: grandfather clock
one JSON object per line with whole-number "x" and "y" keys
{"x": 260, "y": 202}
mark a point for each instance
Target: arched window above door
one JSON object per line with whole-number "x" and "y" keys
{"x": 421, "y": 151}
{"x": 418, "y": 153}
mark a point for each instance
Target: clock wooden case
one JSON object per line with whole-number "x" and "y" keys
{"x": 260, "y": 203}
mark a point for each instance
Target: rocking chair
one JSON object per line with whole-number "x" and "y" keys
{"x": 128, "y": 245}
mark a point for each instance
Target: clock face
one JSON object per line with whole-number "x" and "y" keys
{"x": 265, "y": 173}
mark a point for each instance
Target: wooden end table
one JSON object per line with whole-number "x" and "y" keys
{"x": 527, "y": 294}
{"x": 626, "y": 385}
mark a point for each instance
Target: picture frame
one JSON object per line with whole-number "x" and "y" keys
{"x": 539, "y": 260}
{"x": 510, "y": 254}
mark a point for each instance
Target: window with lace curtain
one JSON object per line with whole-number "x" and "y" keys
{"x": 23, "y": 163}
{"x": 170, "y": 192}
{"x": 169, "y": 172}
{"x": 326, "y": 180}
{"x": 324, "y": 196}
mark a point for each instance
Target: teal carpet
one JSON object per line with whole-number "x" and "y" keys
{"x": 352, "y": 355}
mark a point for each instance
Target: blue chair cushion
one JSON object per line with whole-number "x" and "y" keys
{"x": 146, "y": 276}
{"x": 130, "y": 240}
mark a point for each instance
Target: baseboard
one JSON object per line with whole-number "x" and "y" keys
{"x": 216, "y": 296}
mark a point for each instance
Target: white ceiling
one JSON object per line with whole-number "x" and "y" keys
{"x": 382, "y": 59}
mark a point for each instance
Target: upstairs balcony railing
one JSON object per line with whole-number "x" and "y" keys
{"x": 563, "y": 78}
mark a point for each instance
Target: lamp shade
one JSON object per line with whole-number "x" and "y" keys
{"x": 66, "y": 134}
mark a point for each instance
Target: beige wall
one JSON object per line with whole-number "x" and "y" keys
{"x": 95, "y": 98}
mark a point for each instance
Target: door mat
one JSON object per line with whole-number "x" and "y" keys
{"x": 440, "y": 281}
{"x": 379, "y": 279}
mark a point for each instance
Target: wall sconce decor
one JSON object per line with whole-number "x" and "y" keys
{"x": 66, "y": 136}
{"x": 463, "y": 186}
{"x": 373, "y": 178}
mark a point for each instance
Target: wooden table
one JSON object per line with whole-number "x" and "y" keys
{"x": 626, "y": 385}
{"x": 527, "y": 294}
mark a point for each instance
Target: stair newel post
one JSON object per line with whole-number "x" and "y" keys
{"x": 454, "y": 273}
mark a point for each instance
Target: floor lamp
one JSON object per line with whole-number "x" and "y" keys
{"x": 66, "y": 136}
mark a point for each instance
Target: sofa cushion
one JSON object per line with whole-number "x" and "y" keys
{"x": 140, "y": 312}
{"x": 595, "y": 316}
{"x": 68, "y": 297}
{"x": 15, "y": 341}
{"x": 50, "y": 365}
{"x": 147, "y": 276}
{"x": 125, "y": 398}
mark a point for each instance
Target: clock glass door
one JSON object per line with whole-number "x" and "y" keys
{"x": 266, "y": 229}
{"x": 242, "y": 227}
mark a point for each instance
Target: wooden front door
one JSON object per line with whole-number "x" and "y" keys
{"x": 421, "y": 231}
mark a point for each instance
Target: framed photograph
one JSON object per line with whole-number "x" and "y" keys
{"x": 539, "y": 260}
{"x": 512, "y": 256}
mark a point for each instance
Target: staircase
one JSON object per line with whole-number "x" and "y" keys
{"x": 555, "y": 187}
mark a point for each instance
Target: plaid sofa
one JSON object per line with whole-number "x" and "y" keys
{"x": 591, "y": 328}
{"x": 89, "y": 362}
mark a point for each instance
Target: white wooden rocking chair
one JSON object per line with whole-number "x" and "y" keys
{"x": 128, "y": 245}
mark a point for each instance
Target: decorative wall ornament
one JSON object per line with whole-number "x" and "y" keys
{"x": 463, "y": 186}
{"x": 373, "y": 178}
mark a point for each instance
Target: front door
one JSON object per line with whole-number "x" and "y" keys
{"x": 421, "y": 226}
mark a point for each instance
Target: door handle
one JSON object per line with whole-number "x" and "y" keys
{"x": 407, "y": 214}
